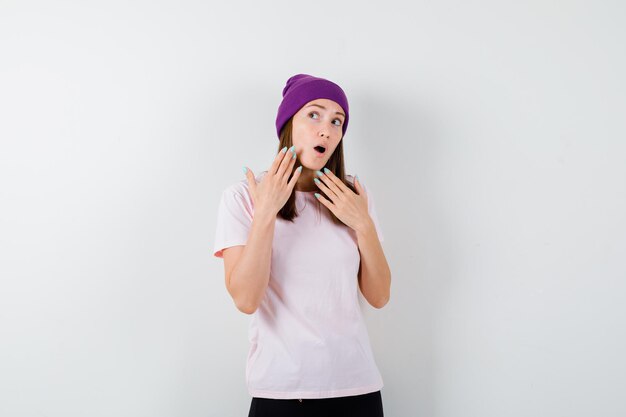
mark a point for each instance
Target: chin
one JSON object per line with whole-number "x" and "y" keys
{"x": 314, "y": 163}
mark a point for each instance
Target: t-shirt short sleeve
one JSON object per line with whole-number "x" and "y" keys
{"x": 234, "y": 219}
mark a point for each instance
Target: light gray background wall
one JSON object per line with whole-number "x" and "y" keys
{"x": 492, "y": 135}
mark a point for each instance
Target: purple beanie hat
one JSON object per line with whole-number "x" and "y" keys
{"x": 302, "y": 88}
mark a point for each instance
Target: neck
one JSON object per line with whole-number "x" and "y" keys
{"x": 305, "y": 181}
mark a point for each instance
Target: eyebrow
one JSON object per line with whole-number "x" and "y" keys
{"x": 322, "y": 107}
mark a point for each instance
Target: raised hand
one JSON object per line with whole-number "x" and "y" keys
{"x": 349, "y": 207}
{"x": 271, "y": 194}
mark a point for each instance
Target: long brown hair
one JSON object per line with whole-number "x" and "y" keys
{"x": 335, "y": 164}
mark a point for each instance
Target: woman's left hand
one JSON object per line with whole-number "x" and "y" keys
{"x": 349, "y": 207}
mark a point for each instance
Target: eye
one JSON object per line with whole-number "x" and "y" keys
{"x": 313, "y": 112}
{"x": 338, "y": 120}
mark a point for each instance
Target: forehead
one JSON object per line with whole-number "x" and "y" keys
{"x": 329, "y": 104}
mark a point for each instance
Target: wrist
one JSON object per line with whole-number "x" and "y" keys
{"x": 264, "y": 215}
{"x": 366, "y": 227}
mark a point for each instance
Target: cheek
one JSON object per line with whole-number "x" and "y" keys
{"x": 301, "y": 131}
{"x": 296, "y": 133}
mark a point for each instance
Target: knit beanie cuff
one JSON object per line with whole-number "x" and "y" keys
{"x": 302, "y": 88}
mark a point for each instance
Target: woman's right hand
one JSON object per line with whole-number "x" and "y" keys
{"x": 274, "y": 190}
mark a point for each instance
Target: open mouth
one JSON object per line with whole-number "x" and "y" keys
{"x": 320, "y": 149}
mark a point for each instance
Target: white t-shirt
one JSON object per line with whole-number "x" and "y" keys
{"x": 308, "y": 338}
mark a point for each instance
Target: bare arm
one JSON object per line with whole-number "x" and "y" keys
{"x": 248, "y": 267}
{"x": 374, "y": 273}
{"x": 352, "y": 208}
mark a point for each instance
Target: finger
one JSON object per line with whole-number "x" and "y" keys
{"x": 289, "y": 170}
{"x": 251, "y": 180}
{"x": 357, "y": 185}
{"x": 294, "y": 178}
{"x": 331, "y": 186}
{"x": 335, "y": 180}
{"x": 330, "y": 193}
{"x": 277, "y": 160}
{"x": 285, "y": 162}
{"x": 325, "y": 202}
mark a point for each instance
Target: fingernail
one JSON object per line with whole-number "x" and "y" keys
{"x": 299, "y": 168}
{"x": 319, "y": 173}
{"x": 293, "y": 149}
{"x": 317, "y": 181}
{"x": 317, "y": 195}
{"x": 284, "y": 150}
{"x": 357, "y": 178}
{"x": 326, "y": 170}
{"x": 245, "y": 170}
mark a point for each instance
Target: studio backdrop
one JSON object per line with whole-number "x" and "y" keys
{"x": 491, "y": 135}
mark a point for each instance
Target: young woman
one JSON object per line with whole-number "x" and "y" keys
{"x": 298, "y": 244}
